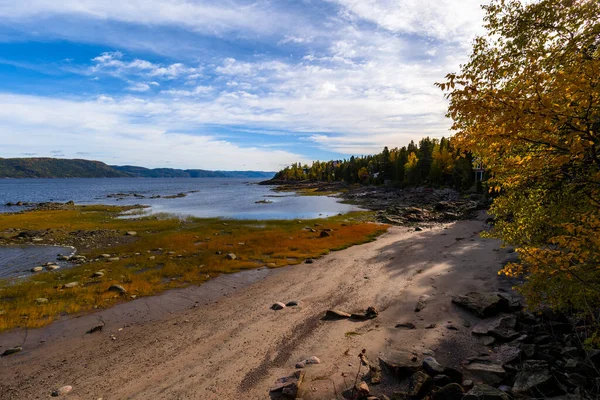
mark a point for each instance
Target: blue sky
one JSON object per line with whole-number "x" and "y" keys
{"x": 230, "y": 84}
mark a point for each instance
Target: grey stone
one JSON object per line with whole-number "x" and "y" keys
{"x": 421, "y": 303}
{"x": 12, "y": 350}
{"x": 535, "y": 379}
{"x": 231, "y": 256}
{"x": 432, "y": 367}
{"x": 490, "y": 371}
{"x": 483, "y": 304}
{"x": 485, "y": 392}
{"x": 71, "y": 285}
{"x": 278, "y": 306}
{"x": 453, "y": 391}
{"x": 506, "y": 354}
{"x": 417, "y": 386}
{"x": 406, "y": 325}
{"x": 401, "y": 365}
{"x": 117, "y": 289}
{"x": 37, "y": 269}
{"x": 336, "y": 314}
{"x": 98, "y": 274}
{"x": 41, "y": 300}
{"x": 501, "y": 326}
{"x": 62, "y": 391}
{"x": 131, "y": 233}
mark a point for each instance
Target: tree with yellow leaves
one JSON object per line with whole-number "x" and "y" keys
{"x": 528, "y": 104}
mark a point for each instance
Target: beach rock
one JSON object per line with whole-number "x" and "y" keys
{"x": 362, "y": 389}
{"x": 375, "y": 374}
{"x": 62, "y": 391}
{"x": 441, "y": 380}
{"x": 325, "y": 234}
{"x": 70, "y": 285}
{"x": 483, "y": 304}
{"x": 455, "y": 375}
{"x": 451, "y": 327}
{"x": 117, "y": 289}
{"x": 432, "y": 367}
{"x": 313, "y": 360}
{"x": 501, "y": 326}
{"x": 535, "y": 379}
{"x": 421, "y": 303}
{"x": 485, "y": 392}
{"x": 406, "y": 325}
{"x": 370, "y": 313}
{"x": 105, "y": 256}
{"x": 489, "y": 371}
{"x": 418, "y": 229}
{"x": 113, "y": 259}
{"x": 506, "y": 354}
{"x": 12, "y": 350}
{"x": 309, "y": 261}
{"x": 98, "y": 274}
{"x": 278, "y": 306}
{"x": 336, "y": 314}
{"x": 231, "y": 256}
{"x": 41, "y": 300}
{"x": 400, "y": 364}
{"x": 293, "y": 303}
{"x": 287, "y": 387}
{"x": 37, "y": 269}
{"x": 488, "y": 340}
{"x": 52, "y": 267}
{"x": 452, "y": 391}
{"x": 416, "y": 387}
{"x": 301, "y": 365}
{"x": 130, "y": 233}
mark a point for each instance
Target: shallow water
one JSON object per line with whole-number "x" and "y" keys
{"x": 205, "y": 198}
{"x": 17, "y": 261}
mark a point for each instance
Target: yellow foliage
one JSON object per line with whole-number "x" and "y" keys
{"x": 528, "y": 105}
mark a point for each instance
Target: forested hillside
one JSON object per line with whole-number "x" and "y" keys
{"x": 434, "y": 162}
{"x": 64, "y": 168}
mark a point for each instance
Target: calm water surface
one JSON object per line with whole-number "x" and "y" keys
{"x": 211, "y": 197}
{"x": 226, "y": 198}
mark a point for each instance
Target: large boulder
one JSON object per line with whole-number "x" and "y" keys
{"x": 401, "y": 365}
{"x": 416, "y": 387}
{"x": 452, "y": 391}
{"x": 432, "y": 367}
{"x": 485, "y": 392}
{"x": 535, "y": 379}
{"x": 483, "y": 304}
{"x": 501, "y": 326}
{"x": 488, "y": 370}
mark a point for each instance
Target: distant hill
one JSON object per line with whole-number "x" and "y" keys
{"x": 142, "y": 172}
{"x": 62, "y": 168}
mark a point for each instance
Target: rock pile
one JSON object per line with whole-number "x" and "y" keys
{"x": 531, "y": 356}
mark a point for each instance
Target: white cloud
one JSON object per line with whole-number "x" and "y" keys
{"x": 441, "y": 19}
{"x": 110, "y": 131}
{"x": 138, "y": 87}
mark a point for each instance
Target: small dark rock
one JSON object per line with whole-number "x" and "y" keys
{"x": 12, "y": 350}
{"x": 452, "y": 391}
{"x": 406, "y": 325}
{"x": 485, "y": 392}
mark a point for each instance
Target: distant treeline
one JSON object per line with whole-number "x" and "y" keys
{"x": 64, "y": 168}
{"x": 432, "y": 162}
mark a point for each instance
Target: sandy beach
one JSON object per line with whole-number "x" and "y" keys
{"x": 221, "y": 340}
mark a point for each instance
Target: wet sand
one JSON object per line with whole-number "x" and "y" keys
{"x": 221, "y": 340}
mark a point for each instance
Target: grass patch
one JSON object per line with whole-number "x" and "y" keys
{"x": 167, "y": 252}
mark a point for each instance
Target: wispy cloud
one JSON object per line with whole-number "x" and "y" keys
{"x": 239, "y": 77}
